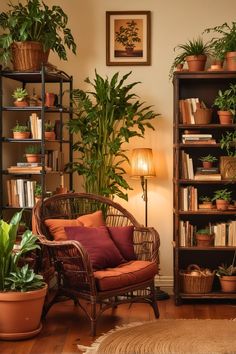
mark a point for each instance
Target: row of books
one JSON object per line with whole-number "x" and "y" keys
{"x": 35, "y": 126}
{"x": 187, "y": 109}
{"x": 201, "y": 174}
{"x": 188, "y": 198}
{"x": 198, "y": 139}
{"x": 224, "y": 233}
{"x": 20, "y": 192}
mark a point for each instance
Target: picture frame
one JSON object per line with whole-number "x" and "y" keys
{"x": 128, "y": 38}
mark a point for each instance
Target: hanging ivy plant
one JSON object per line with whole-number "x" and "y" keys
{"x": 104, "y": 119}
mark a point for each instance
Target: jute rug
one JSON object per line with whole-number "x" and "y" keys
{"x": 168, "y": 336}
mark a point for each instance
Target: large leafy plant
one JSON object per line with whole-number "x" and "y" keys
{"x": 105, "y": 119}
{"x": 12, "y": 276}
{"x": 35, "y": 21}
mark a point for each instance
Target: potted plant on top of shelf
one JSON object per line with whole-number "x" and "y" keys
{"x": 49, "y": 130}
{"x": 226, "y": 103}
{"x": 228, "y": 163}
{"x": 20, "y": 96}
{"x": 21, "y": 131}
{"x": 31, "y": 30}
{"x": 32, "y": 153}
{"x": 194, "y": 52}
{"x": 222, "y": 198}
{"x": 227, "y": 276}
{"x": 225, "y": 45}
{"x": 207, "y": 161}
{"x": 22, "y": 291}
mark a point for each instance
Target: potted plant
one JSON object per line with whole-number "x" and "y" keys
{"x": 20, "y": 95}
{"x": 227, "y": 276}
{"x": 49, "y": 130}
{"x": 194, "y": 52}
{"x": 207, "y": 161}
{"x": 38, "y": 192}
{"x": 226, "y": 103}
{"x": 204, "y": 237}
{"x": 228, "y": 163}
{"x": 104, "y": 124}
{"x": 206, "y": 201}
{"x": 30, "y": 30}
{"x": 222, "y": 198}
{"x": 22, "y": 292}
{"x": 32, "y": 153}
{"x": 225, "y": 45}
{"x": 21, "y": 131}
{"x": 128, "y": 36}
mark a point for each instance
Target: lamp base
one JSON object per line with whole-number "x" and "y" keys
{"x": 161, "y": 295}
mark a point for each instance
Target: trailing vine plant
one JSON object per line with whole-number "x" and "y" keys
{"x": 104, "y": 119}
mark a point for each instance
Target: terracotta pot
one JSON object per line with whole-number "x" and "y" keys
{"x": 231, "y": 61}
{"x": 21, "y": 103}
{"x": 226, "y": 117}
{"x": 222, "y": 204}
{"x": 19, "y": 135}
{"x": 49, "y": 135}
{"x": 49, "y": 99}
{"x": 21, "y": 313}
{"x": 203, "y": 116}
{"x": 207, "y": 164}
{"x": 33, "y": 157}
{"x": 228, "y": 283}
{"x": 204, "y": 240}
{"x": 196, "y": 62}
{"x": 208, "y": 205}
{"x": 61, "y": 190}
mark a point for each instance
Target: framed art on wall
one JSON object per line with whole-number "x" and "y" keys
{"x": 128, "y": 37}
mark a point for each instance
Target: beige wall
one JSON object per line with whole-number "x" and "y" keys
{"x": 173, "y": 22}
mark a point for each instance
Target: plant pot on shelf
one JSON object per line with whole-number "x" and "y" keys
{"x": 207, "y": 164}
{"x": 21, "y": 313}
{"x": 49, "y": 99}
{"x": 21, "y": 135}
{"x": 21, "y": 103}
{"x": 28, "y": 56}
{"x": 49, "y": 135}
{"x": 231, "y": 61}
{"x": 203, "y": 116}
{"x": 225, "y": 117}
{"x": 228, "y": 283}
{"x": 196, "y": 62}
{"x": 204, "y": 240}
{"x": 33, "y": 157}
{"x": 222, "y": 204}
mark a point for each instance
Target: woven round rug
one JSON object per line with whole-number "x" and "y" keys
{"x": 168, "y": 336}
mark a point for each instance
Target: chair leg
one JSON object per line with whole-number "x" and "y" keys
{"x": 93, "y": 319}
{"x": 154, "y": 301}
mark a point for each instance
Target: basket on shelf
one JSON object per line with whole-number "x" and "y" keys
{"x": 28, "y": 56}
{"x": 196, "y": 280}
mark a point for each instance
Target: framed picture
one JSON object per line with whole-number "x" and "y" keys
{"x": 128, "y": 37}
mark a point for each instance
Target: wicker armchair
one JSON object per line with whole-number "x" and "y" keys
{"x": 69, "y": 261}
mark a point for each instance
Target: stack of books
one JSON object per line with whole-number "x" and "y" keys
{"x": 27, "y": 167}
{"x": 198, "y": 139}
{"x": 207, "y": 174}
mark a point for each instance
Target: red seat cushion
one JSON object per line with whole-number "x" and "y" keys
{"x": 126, "y": 274}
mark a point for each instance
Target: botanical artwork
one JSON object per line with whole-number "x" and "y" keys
{"x": 128, "y": 38}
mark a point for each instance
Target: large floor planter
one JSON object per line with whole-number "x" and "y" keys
{"x": 228, "y": 284}
{"x": 20, "y": 313}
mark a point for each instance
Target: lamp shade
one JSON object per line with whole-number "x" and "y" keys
{"x": 142, "y": 163}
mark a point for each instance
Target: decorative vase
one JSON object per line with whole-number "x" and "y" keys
{"x": 225, "y": 117}
{"x": 49, "y": 99}
{"x": 196, "y": 62}
{"x": 20, "y": 313}
{"x": 21, "y": 135}
{"x": 228, "y": 283}
{"x": 231, "y": 61}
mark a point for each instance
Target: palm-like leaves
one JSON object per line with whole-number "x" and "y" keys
{"x": 106, "y": 118}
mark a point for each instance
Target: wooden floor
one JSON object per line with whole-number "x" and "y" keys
{"x": 66, "y": 325}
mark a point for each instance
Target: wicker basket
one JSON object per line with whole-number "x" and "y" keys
{"x": 28, "y": 56}
{"x": 199, "y": 283}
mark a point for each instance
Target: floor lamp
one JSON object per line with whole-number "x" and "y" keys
{"x": 142, "y": 166}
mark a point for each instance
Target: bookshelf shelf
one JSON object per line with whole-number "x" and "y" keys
{"x": 17, "y": 179}
{"x": 187, "y": 216}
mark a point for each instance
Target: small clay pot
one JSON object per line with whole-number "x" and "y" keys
{"x": 49, "y": 135}
{"x": 226, "y": 117}
{"x": 21, "y": 135}
{"x": 222, "y": 204}
{"x": 204, "y": 240}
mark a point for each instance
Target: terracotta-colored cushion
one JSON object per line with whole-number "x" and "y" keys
{"x": 56, "y": 227}
{"x": 97, "y": 242}
{"x": 130, "y": 273}
{"x": 92, "y": 220}
{"x": 122, "y": 236}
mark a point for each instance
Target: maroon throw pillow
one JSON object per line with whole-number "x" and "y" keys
{"x": 97, "y": 242}
{"x": 123, "y": 239}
